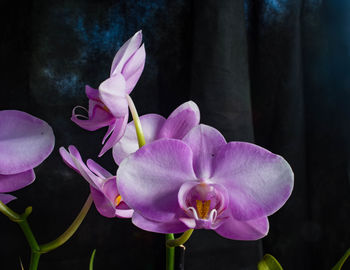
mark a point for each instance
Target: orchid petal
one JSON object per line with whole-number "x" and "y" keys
{"x": 204, "y": 142}
{"x": 112, "y": 93}
{"x": 117, "y": 134}
{"x": 98, "y": 170}
{"x": 125, "y": 52}
{"x": 25, "y": 141}
{"x": 16, "y": 181}
{"x": 102, "y": 203}
{"x": 258, "y": 182}
{"x": 74, "y": 160}
{"x": 174, "y": 226}
{"x": 149, "y": 179}
{"x": 151, "y": 124}
{"x": 181, "y": 121}
{"x": 244, "y": 230}
{"x": 133, "y": 68}
{"x": 98, "y": 117}
{"x": 6, "y": 198}
{"x": 92, "y": 93}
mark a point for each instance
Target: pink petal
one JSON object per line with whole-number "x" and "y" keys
{"x": 102, "y": 203}
{"x": 98, "y": 170}
{"x": 204, "y": 142}
{"x": 244, "y": 230}
{"x": 117, "y": 134}
{"x": 25, "y": 141}
{"x": 98, "y": 117}
{"x": 258, "y": 182}
{"x": 112, "y": 93}
{"x": 125, "y": 52}
{"x": 92, "y": 93}
{"x": 74, "y": 160}
{"x": 151, "y": 124}
{"x": 149, "y": 179}
{"x": 17, "y": 181}
{"x": 174, "y": 226}
{"x": 181, "y": 121}
{"x": 6, "y": 198}
{"x": 133, "y": 68}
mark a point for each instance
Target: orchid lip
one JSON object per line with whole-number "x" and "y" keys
{"x": 204, "y": 202}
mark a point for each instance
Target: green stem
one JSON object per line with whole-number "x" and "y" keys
{"x": 180, "y": 240}
{"x": 342, "y": 260}
{"x": 34, "y": 260}
{"x": 64, "y": 237}
{"x": 170, "y": 252}
{"x": 21, "y": 220}
{"x": 137, "y": 123}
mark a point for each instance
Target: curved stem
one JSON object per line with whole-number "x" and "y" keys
{"x": 180, "y": 240}
{"x": 12, "y": 215}
{"x": 137, "y": 123}
{"x": 64, "y": 237}
{"x": 170, "y": 252}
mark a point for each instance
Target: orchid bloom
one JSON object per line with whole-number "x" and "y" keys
{"x": 156, "y": 127}
{"x": 103, "y": 184}
{"x": 203, "y": 182}
{"x": 108, "y": 105}
{"x": 25, "y": 142}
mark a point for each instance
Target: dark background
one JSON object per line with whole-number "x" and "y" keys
{"x": 273, "y": 72}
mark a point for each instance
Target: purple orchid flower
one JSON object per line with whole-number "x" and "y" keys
{"x": 103, "y": 184}
{"x": 108, "y": 105}
{"x": 156, "y": 127}
{"x": 203, "y": 182}
{"x": 25, "y": 142}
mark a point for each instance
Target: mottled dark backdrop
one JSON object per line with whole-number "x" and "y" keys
{"x": 273, "y": 72}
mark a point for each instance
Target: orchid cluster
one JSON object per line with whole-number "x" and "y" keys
{"x": 173, "y": 174}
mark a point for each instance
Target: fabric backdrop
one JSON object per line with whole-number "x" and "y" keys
{"x": 272, "y": 72}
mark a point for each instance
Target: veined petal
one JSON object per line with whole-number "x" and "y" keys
{"x": 74, "y": 160}
{"x": 149, "y": 179}
{"x": 125, "y": 52}
{"x": 174, "y": 226}
{"x": 98, "y": 170}
{"x": 204, "y": 142}
{"x": 6, "y": 198}
{"x": 117, "y": 134}
{"x": 244, "y": 230}
{"x": 151, "y": 124}
{"x": 113, "y": 95}
{"x": 133, "y": 68}
{"x": 181, "y": 121}
{"x": 17, "y": 181}
{"x": 258, "y": 182}
{"x": 25, "y": 141}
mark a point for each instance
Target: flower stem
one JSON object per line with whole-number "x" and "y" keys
{"x": 36, "y": 249}
{"x": 170, "y": 252}
{"x": 137, "y": 123}
{"x": 21, "y": 220}
{"x": 64, "y": 237}
{"x": 180, "y": 240}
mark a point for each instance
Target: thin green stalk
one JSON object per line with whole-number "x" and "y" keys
{"x": 137, "y": 123}
{"x": 21, "y": 220}
{"x": 64, "y": 237}
{"x": 342, "y": 260}
{"x": 180, "y": 240}
{"x": 170, "y": 252}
